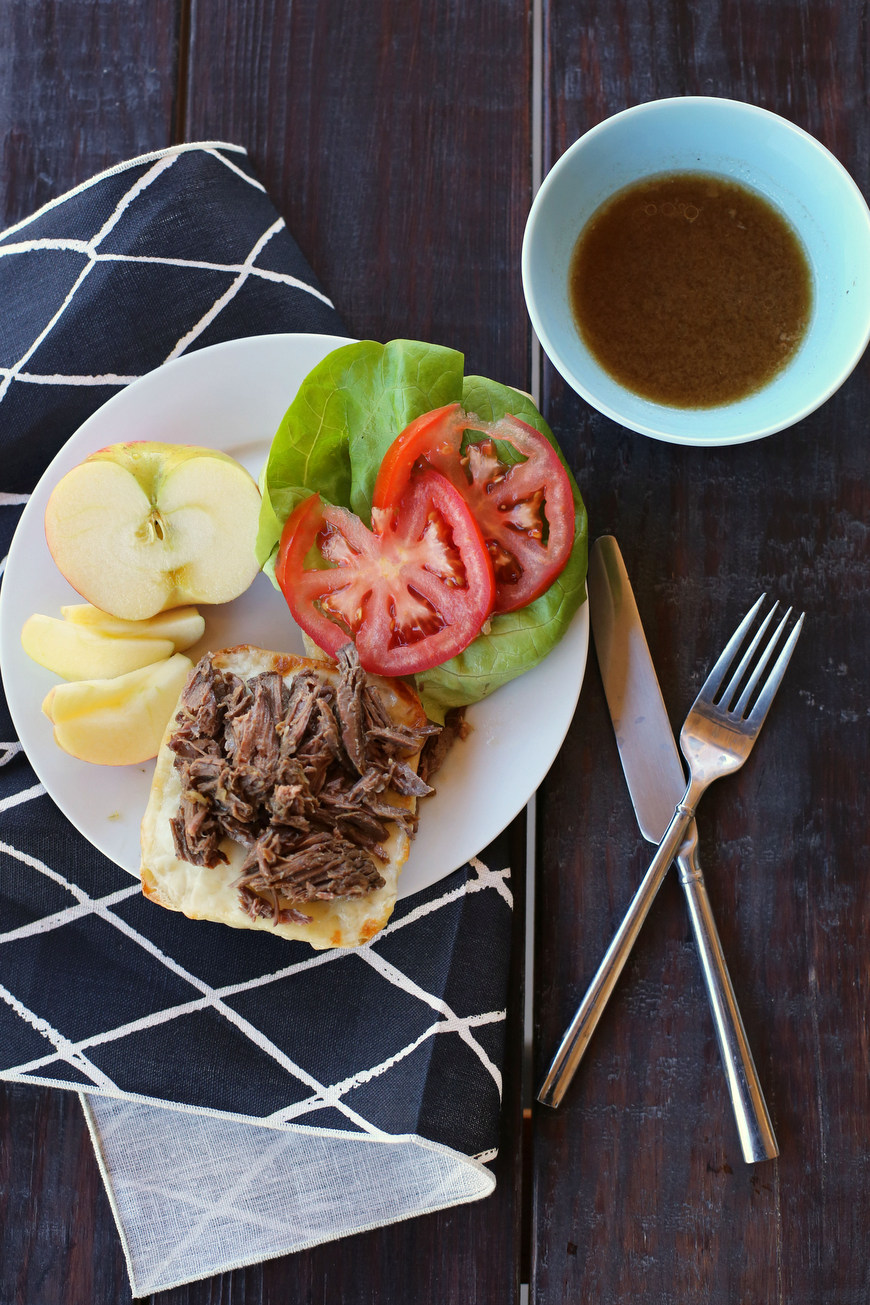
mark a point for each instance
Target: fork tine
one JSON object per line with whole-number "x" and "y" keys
{"x": 740, "y": 707}
{"x": 745, "y": 662}
{"x": 774, "y": 679}
{"x": 711, "y": 685}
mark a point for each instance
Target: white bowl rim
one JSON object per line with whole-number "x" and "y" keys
{"x": 775, "y": 425}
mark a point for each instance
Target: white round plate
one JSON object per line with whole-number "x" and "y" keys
{"x": 231, "y": 397}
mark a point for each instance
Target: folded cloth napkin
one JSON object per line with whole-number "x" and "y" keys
{"x": 246, "y": 1096}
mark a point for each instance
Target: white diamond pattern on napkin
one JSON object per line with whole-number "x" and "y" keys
{"x": 92, "y": 257}
{"x": 64, "y": 1052}
{"x": 251, "y": 1099}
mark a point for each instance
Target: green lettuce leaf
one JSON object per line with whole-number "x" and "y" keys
{"x": 347, "y": 412}
{"x": 333, "y": 438}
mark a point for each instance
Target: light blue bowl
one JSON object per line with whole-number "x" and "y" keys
{"x": 748, "y": 145}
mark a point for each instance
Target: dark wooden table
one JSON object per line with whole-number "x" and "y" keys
{"x": 399, "y": 138}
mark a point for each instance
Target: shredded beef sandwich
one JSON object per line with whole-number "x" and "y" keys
{"x": 285, "y": 796}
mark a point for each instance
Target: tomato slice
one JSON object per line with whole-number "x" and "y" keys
{"x": 411, "y": 593}
{"x": 523, "y": 506}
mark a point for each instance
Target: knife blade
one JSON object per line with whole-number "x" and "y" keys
{"x": 649, "y": 756}
{"x": 656, "y": 783}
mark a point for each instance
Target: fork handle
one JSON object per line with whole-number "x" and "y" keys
{"x": 584, "y": 1023}
{"x": 757, "y": 1138}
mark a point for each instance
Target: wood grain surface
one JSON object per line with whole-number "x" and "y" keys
{"x": 403, "y": 170}
{"x": 82, "y": 86}
{"x": 396, "y": 139}
{"x": 640, "y": 1188}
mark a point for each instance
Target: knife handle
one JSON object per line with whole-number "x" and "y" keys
{"x": 757, "y": 1139}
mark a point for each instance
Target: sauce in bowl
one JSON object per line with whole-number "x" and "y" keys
{"x": 690, "y": 289}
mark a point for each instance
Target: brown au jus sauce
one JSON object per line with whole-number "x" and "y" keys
{"x": 690, "y": 289}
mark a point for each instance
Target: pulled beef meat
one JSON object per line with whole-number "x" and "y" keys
{"x": 349, "y": 705}
{"x": 298, "y": 776}
{"x": 437, "y": 746}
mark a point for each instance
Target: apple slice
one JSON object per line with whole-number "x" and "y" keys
{"x": 183, "y": 625}
{"x": 142, "y": 527}
{"x": 117, "y": 722}
{"x": 75, "y": 652}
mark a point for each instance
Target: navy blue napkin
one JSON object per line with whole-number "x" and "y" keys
{"x": 101, "y": 990}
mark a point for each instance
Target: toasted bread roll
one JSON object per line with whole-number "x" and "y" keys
{"x": 267, "y": 757}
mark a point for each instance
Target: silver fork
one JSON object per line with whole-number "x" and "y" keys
{"x": 716, "y": 739}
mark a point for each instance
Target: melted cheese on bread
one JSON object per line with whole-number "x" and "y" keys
{"x": 208, "y": 894}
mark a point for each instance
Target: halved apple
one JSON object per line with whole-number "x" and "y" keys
{"x": 76, "y": 652}
{"x": 138, "y": 528}
{"x": 183, "y": 625}
{"x": 117, "y": 722}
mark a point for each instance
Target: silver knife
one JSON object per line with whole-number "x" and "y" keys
{"x": 656, "y": 782}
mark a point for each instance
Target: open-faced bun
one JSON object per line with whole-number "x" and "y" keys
{"x": 205, "y": 893}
